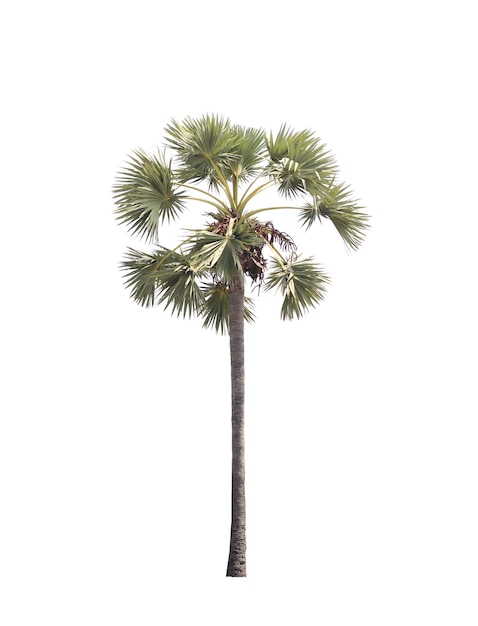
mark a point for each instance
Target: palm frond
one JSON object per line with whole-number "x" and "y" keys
{"x": 222, "y": 246}
{"x": 302, "y": 282}
{"x": 274, "y": 236}
{"x": 142, "y": 272}
{"x": 335, "y": 202}
{"x": 179, "y": 286}
{"x": 164, "y": 277}
{"x": 249, "y": 152}
{"x": 298, "y": 161}
{"x": 216, "y": 307}
{"x": 311, "y": 212}
{"x": 220, "y": 253}
{"x": 146, "y": 195}
{"x": 204, "y": 147}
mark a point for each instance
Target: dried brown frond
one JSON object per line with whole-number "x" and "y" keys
{"x": 272, "y": 235}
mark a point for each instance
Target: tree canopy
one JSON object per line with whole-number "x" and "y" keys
{"x": 211, "y": 162}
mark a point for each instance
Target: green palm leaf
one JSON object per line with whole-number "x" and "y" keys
{"x": 221, "y": 248}
{"x": 218, "y": 252}
{"x": 249, "y": 151}
{"x": 335, "y": 202}
{"x": 164, "y": 277}
{"x": 204, "y": 147}
{"x": 141, "y": 271}
{"x": 179, "y": 287}
{"x": 216, "y": 307}
{"x": 302, "y": 283}
{"x": 298, "y": 161}
{"x": 146, "y": 195}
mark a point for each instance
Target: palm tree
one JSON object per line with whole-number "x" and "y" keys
{"x": 226, "y": 167}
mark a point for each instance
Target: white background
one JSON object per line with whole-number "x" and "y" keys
{"x": 361, "y": 419}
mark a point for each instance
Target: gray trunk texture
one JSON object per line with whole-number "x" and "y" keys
{"x": 237, "y": 553}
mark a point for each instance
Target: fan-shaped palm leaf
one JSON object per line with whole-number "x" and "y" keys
{"x": 298, "y": 161}
{"x": 180, "y": 288}
{"x": 302, "y": 283}
{"x": 249, "y": 152}
{"x": 218, "y": 252}
{"x": 164, "y": 276}
{"x": 204, "y": 147}
{"x": 142, "y": 274}
{"x": 336, "y": 203}
{"x": 146, "y": 195}
{"x": 216, "y": 307}
{"x": 221, "y": 247}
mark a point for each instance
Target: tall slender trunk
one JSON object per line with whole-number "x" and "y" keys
{"x": 236, "y": 565}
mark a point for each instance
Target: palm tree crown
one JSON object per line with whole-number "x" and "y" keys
{"x": 225, "y": 166}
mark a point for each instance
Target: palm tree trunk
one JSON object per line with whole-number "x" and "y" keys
{"x": 237, "y": 552}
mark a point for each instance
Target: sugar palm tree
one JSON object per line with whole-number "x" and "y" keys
{"x": 225, "y": 167}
